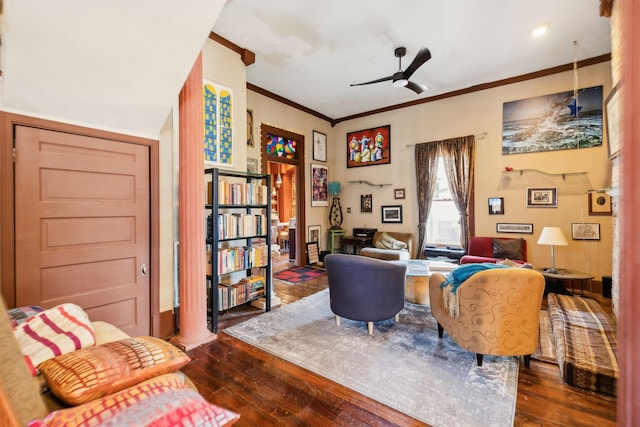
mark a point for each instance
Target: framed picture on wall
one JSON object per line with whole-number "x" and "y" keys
{"x": 392, "y": 214}
{"x": 599, "y": 204}
{"x": 496, "y": 205}
{"x": 369, "y": 147}
{"x": 319, "y": 185}
{"x": 313, "y": 233}
{"x": 542, "y": 197}
{"x": 319, "y": 146}
{"x": 583, "y": 231}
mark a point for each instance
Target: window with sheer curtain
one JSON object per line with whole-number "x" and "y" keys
{"x": 443, "y": 223}
{"x": 444, "y": 178}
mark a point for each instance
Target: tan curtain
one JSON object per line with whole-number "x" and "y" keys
{"x": 426, "y": 171}
{"x": 458, "y": 156}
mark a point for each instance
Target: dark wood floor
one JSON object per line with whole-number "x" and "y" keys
{"x": 266, "y": 390}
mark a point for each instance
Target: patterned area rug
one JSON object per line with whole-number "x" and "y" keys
{"x": 547, "y": 349}
{"x": 299, "y": 274}
{"x": 403, "y": 365}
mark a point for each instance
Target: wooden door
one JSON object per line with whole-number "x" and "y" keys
{"x": 82, "y": 225}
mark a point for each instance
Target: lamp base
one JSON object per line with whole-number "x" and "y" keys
{"x": 552, "y": 271}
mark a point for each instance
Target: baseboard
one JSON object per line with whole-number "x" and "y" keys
{"x": 166, "y": 324}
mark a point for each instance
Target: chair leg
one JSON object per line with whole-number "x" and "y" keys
{"x": 337, "y": 320}
{"x": 479, "y": 358}
{"x": 370, "y": 327}
{"x": 527, "y": 360}
{"x": 440, "y": 330}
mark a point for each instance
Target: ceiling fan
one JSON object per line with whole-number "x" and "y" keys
{"x": 401, "y": 78}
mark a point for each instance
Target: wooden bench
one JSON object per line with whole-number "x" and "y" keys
{"x": 586, "y": 344}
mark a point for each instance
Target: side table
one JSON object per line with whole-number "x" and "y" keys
{"x": 358, "y": 242}
{"x": 334, "y": 244}
{"x": 563, "y": 276}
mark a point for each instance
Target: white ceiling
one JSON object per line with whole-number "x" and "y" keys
{"x": 117, "y": 64}
{"x": 310, "y": 51}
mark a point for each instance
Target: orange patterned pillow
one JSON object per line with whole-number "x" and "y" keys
{"x": 94, "y": 372}
{"x": 161, "y": 401}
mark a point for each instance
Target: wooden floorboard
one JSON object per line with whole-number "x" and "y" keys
{"x": 266, "y": 390}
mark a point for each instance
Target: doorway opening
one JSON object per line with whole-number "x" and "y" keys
{"x": 283, "y": 158}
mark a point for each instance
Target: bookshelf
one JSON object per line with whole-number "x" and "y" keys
{"x": 238, "y": 241}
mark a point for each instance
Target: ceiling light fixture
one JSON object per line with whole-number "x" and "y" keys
{"x": 539, "y": 31}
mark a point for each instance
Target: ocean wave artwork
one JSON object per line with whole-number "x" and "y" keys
{"x": 559, "y": 121}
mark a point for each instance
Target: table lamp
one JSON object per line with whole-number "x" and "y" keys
{"x": 552, "y": 236}
{"x": 335, "y": 213}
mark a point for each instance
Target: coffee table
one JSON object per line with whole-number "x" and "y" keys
{"x": 416, "y": 287}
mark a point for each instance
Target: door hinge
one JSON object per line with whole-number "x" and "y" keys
{"x": 14, "y": 154}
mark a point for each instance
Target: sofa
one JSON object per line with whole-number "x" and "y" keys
{"x": 493, "y": 249}
{"x": 110, "y": 379}
{"x": 364, "y": 289}
{"x": 493, "y": 311}
{"x": 388, "y": 245}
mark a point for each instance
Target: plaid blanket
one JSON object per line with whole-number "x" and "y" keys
{"x": 586, "y": 344}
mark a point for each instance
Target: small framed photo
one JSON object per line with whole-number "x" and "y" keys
{"x": 585, "y": 231}
{"x": 313, "y": 233}
{"x": 496, "y": 205}
{"x": 504, "y": 227}
{"x": 599, "y": 204}
{"x": 313, "y": 253}
{"x": 542, "y": 197}
{"x": 252, "y": 165}
{"x": 366, "y": 203}
{"x": 398, "y": 193}
{"x": 392, "y": 214}
{"x": 319, "y": 146}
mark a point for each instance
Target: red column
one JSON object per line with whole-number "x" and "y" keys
{"x": 193, "y": 291}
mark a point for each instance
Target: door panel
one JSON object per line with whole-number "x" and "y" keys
{"x": 82, "y": 225}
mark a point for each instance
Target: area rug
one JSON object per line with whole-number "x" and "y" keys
{"x": 299, "y": 274}
{"x": 546, "y": 349}
{"x": 403, "y": 365}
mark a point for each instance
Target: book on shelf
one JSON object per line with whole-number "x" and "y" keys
{"x": 235, "y": 193}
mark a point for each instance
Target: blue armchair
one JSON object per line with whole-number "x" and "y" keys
{"x": 365, "y": 289}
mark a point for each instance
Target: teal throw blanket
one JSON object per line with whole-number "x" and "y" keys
{"x": 462, "y": 273}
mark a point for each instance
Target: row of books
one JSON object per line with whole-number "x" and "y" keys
{"x": 248, "y": 193}
{"x": 238, "y": 258}
{"x": 232, "y": 225}
{"x": 247, "y": 289}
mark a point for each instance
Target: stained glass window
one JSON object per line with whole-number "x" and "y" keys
{"x": 281, "y": 147}
{"x": 218, "y": 123}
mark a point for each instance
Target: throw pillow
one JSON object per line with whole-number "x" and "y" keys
{"x": 20, "y": 315}
{"x": 511, "y": 248}
{"x": 54, "y": 332}
{"x": 165, "y": 400}
{"x": 387, "y": 242}
{"x": 91, "y": 373}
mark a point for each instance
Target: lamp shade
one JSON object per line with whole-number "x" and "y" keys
{"x": 334, "y": 188}
{"x": 552, "y": 236}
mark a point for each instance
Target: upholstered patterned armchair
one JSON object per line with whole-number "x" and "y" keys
{"x": 365, "y": 289}
{"x": 498, "y": 312}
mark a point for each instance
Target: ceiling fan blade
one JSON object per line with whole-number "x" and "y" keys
{"x": 383, "y": 79}
{"x": 417, "y": 88}
{"x": 423, "y": 56}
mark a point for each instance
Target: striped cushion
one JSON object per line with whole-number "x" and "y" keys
{"x": 166, "y": 400}
{"x": 54, "y": 332}
{"x": 94, "y": 372}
